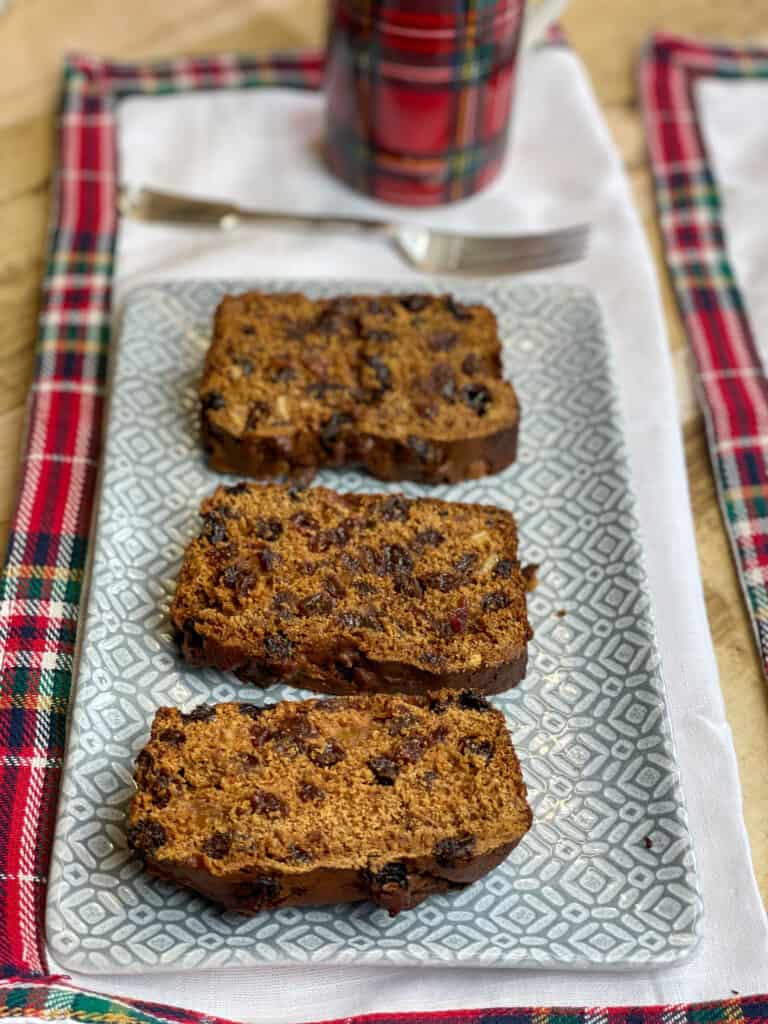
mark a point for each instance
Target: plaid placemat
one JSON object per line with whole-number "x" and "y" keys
{"x": 40, "y": 587}
{"x": 57, "y": 1000}
{"x": 732, "y": 383}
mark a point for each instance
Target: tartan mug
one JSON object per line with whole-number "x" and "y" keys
{"x": 419, "y": 92}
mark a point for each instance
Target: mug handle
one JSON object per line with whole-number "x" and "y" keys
{"x": 539, "y": 15}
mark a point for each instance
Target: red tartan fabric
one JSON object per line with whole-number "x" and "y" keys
{"x": 733, "y": 385}
{"x": 41, "y": 583}
{"x": 55, "y": 998}
{"x": 40, "y": 588}
{"x": 419, "y": 95}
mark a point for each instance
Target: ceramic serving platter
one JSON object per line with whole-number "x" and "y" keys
{"x": 606, "y": 875}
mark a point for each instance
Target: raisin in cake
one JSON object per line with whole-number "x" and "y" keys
{"x": 409, "y": 387}
{"x": 328, "y": 801}
{"x": 349, "y": 593}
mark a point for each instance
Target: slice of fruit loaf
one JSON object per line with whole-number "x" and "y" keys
{"x": 347, "y": 593}
{"x": 380, "y": 797}
{"x": 408, "y": 386}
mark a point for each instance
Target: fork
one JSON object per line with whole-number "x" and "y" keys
{"x": 424, "y": 248}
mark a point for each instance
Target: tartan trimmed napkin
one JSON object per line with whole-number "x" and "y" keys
{"x": 55, "y": 1000}
{"x": 41, "y": 585}
{"x": 732, "y": 382}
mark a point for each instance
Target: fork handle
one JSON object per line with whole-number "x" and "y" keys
{"x": 154, "y": 205}
{"x": 309, "y": 220}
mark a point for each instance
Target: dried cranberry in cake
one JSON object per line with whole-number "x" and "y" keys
{"x": 316, "y": 604}
{"x": 261, "y": 893}
{"x": 473, "y": 701}
{"x": 263, "y": 802}
{"x": 422, "y": 448}
{"x": 504, "y": 568}
{"x": 466, "y": 562}
{"x": 477, "y": 397}
{"x": 213, "y": 400}
{"x": 365, "y": 797}
{"x": 385, "y": 770}
{"x": 477, "y": 747}
{"x": 146, "y": 836}
{"x": 328, "y": 755}
{"x": 217, "y": 845}
{"x": 459, "y": 619}
{"x": 354, "y": 592}
{"x": 396, "y": 508}
{"x": 309, "y": 792}
{"x": 277, "y": 647}
{"x": 251, "y": 710}
{"x": 470, "y": 364}
{"x": 332, "y": 382}
{"x": 456, "y": 309}
{"x": 454, "y": 850}
{"x": 494, "y": 601}
{"x": 415, "y": 303}
{"x": 174, "y": 737}
{"x": 268, "y": 529}
{"x": 201, "y": 713}
{"x": 443, "y": 341}
{"x": 429, "y": 538}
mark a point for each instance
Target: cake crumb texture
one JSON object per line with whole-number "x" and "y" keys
{"x": 379, "y": 797}
{"x": 406, "y": 386}
{"x": 347, "y": 593}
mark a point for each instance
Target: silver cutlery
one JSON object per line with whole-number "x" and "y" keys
{"x": 424, "y": 248}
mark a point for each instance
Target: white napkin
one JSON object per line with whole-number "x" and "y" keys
{"x": 732, "y": 112}
{"x": 257, "y": 147}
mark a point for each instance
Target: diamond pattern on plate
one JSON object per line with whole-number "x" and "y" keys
{"x": 606, "y": 875}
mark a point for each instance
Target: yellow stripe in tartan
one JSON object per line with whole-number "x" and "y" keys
{"x": 72, "y": 345}
{"x": 43, "y": 572}
{"x": 64, "y": 1014}
{"x": 732, "y": 1011}
{"x": 39, "y": 702}
{"x": 95, "y": 259}
{"x": 750, "y": 491}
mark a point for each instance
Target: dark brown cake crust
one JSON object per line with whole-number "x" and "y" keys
{"x": 408, "y": 387}
{"x": 362, "y": 675}
{"x": 416, "y": 879}
{"x": 353, "y": 593}
{"x": 388, "y": 799}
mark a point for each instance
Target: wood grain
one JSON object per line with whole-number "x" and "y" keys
{"x": 609, "y": 34}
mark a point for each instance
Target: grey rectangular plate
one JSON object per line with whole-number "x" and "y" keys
{"x": 605, "y": 877}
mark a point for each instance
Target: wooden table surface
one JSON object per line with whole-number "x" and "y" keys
{"x": 34, "y": 34}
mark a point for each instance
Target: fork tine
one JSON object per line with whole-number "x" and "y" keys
{"x": 501, "y": 255}
{"x": 440, "y": 252}
{"x": 520, "y": 265}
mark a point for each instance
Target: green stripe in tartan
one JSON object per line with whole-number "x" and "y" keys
{"x": 53, "y": 1002}
{"x": 681, "y": 195}
{"x": 738, "y": 518}
{"x": 753, "y": 67}
{"x": 160, "y": 85}
{"x": 471, "y": 65}
{"x": 711, "y": 1013}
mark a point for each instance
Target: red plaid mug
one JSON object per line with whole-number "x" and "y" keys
{"x": 418, "y": 92}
